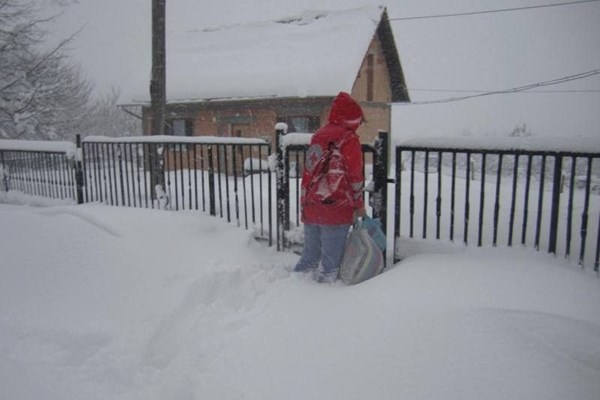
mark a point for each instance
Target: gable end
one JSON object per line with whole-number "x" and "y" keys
{"x": 388, "y": 44}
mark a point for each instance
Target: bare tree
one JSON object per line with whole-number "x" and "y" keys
{"x": 41, "y": 94}
{"x": 107, "y": 119}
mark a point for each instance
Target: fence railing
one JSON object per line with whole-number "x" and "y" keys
{"x": 545, "y": 199}
{"x": 497, "y": 196}
{"x": 40, "y": 168}
{"x": 225, "y": 177}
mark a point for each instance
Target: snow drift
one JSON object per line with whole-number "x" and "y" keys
{"x": 114, "y": 303}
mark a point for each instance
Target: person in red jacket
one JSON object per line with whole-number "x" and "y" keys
{"x": 326, "y": 224}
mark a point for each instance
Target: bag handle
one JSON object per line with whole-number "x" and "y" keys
{"x": 358, "y": 223}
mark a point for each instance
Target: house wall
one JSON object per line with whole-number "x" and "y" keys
{"x": 242, "y": 118}
{"x": 251, "y": 121}
{"x": 377, "y": 108}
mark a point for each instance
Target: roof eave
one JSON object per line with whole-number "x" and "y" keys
{"x": 392, "y": 59}
{"x": 230, "y": 100}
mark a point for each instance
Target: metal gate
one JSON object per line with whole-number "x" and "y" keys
{"x": 291, "y": 154}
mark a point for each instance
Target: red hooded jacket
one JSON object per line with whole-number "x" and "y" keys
{"x": 344, "y": 118}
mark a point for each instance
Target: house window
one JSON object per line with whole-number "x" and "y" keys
{"x": 305, "y": 124}
{"x": 239, "y": 131}
{"x": 242, "y": 130}
{"x": 179, "y": 127}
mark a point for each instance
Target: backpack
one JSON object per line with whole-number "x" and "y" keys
{"x": 328, "y": 181}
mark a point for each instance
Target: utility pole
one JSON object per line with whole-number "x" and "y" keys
{"x": 158, "y": 90}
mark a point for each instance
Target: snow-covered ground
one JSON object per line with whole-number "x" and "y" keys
{"x": 102, "y": 302}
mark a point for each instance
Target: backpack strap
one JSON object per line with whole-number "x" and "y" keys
{"x": 342, "y": 142}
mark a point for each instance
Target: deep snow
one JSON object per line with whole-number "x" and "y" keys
{"x": 101, "y": 302}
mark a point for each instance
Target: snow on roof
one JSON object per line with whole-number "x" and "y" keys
{"x": 318, "y": 53}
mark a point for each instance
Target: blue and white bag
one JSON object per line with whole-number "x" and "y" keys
{"x": 363, "y": 259}
{"x": 373, "y": 226}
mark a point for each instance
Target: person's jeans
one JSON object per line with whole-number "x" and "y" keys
{"x": 324, "y": 243}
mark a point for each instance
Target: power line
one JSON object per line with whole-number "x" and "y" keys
{"x": 557, "y": 81}
{"x": 492, "y": 11}
{"x": 487, "y": 91}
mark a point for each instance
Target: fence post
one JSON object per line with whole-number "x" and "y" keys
{"x": 211, "y": 181}
{"x": 79, "y": 170}
{"x": 280, "y": 130}
{"x": 597, "y": 260}
{"x": 585, "y": 212}
{"x": 380, "y": 181}
{"x": 4, "y": 172}
{"x": 397, "y": 198}
{"x": 157, "y": 174}
{"x": 556, "y": 191}
{"x": 380, "y": 175}
{"x": 121, "y": 177}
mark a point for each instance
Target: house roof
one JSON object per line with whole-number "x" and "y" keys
{"x": 316, "y": 54}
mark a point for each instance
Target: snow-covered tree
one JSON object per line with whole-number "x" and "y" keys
{"x": 107, "y": 119}
{"x": 42, "y": 95}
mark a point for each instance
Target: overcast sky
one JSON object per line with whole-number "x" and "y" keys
{"x": 441, "y": 57}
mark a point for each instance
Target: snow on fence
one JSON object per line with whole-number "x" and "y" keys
{"x": 38, "y": 169}
{"x": 501, "y": 195}
{"x": 476, "y": 194}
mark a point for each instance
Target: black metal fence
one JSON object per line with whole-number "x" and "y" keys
{"x": 229, "y": 179}
{"x": 44, "y": 169}
{"x": 545, "y": 199}
{"x": 501, "y": 197}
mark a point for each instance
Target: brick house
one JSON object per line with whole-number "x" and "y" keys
{"x": 239, "y": 81}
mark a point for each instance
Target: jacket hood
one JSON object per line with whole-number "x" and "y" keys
{"x": 345, "y": 111}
